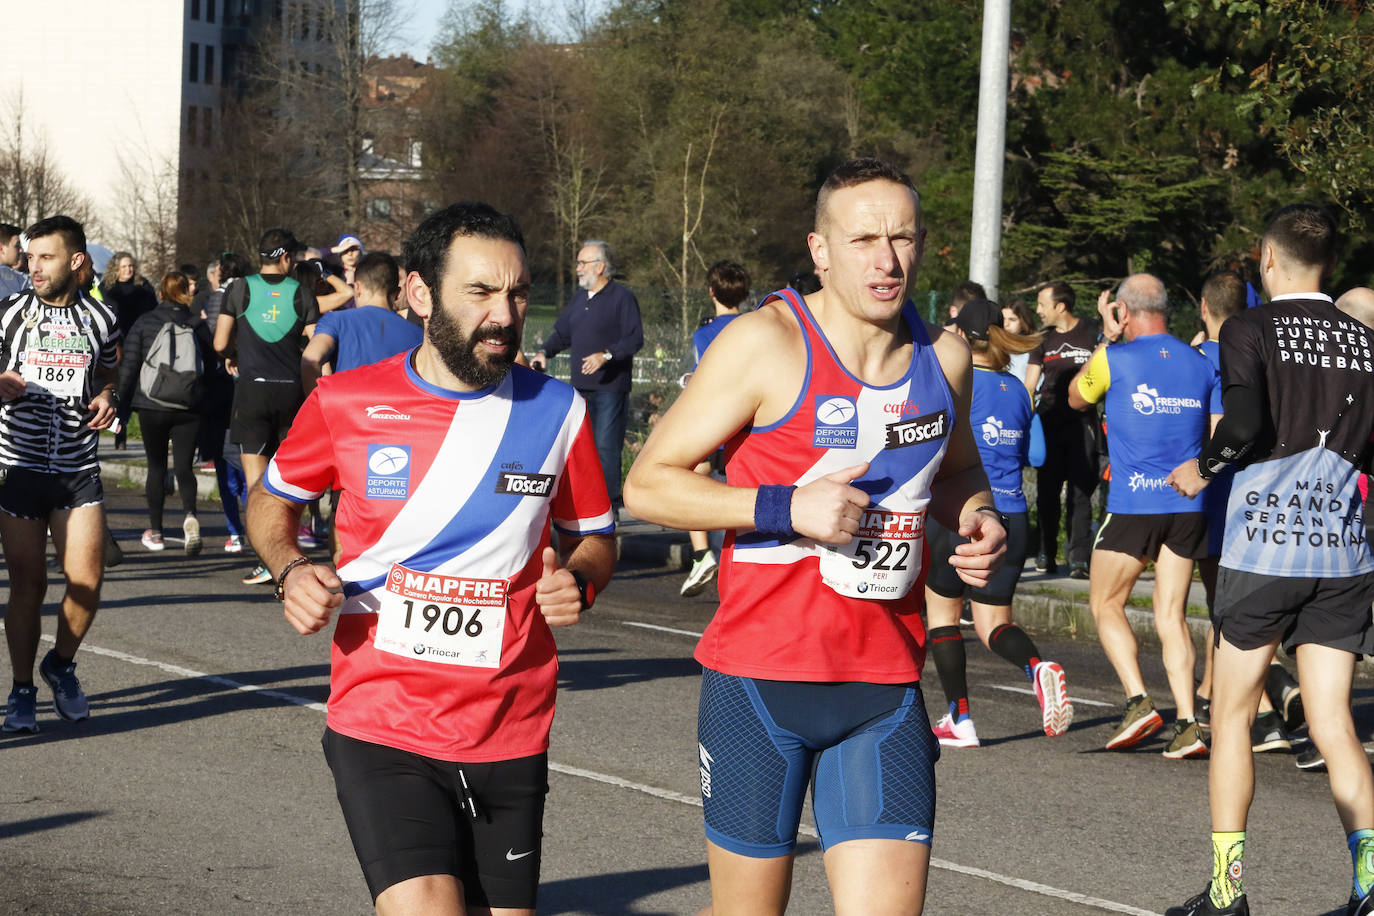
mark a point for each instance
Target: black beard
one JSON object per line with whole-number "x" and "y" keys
{"x": 459, "y": 352}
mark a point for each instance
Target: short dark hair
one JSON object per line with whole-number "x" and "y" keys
{"x": 7, "y": 232}
{"x": 73, "y": 236}
{"x": 1225, "y": 293}
{"x": 967, "y": 292}
{"x": 230, "y": 266}
{"x": 189, "y": 269}
{"x": 378, "y": 271}
{"x": 426, "y": 251}
{"x": 856, "y": 172}
{"x": 274, "y": 243}
{"x": 1062, "y": 292}
{"x": 1305, "y": 232}
{"x": 728, "y": 283}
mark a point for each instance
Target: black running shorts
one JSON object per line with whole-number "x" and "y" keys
{"x": 1253, "y": 610}
{"x": 410, "y": 816}
{"x": 30, "y": 494}
{"x": 1141, "y": 536}
{"x": 262, "y": 414}
{"x": 944, "y": 581}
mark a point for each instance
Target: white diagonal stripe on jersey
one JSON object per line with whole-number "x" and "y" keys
{"x": 461, "y": 462}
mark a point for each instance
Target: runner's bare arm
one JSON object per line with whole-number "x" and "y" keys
{"x": 961, "y": 486}
{"x": 224, "y": 335}
{"x": 750, "y": 376}
{"x": 557, "y": 594}
{"x": 313, "y": 359}
{"x": 12, "y": 385}
{"x": 313, "y": 590}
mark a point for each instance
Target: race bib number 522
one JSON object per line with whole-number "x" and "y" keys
{"x": 451, "y": 620}
{"x": 882, "y": 561}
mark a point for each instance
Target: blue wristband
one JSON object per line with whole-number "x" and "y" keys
{"x": 773, "y": 510}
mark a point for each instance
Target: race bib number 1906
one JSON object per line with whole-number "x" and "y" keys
{"x": 882, "y": 561}
{"x": 451, "y": 620}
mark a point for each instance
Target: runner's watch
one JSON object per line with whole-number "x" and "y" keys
{"x": 1006, "y": 524}
{"x": 584, "y": 588}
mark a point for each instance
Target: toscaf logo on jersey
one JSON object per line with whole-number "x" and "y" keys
{"x": 388, "y": 471}
{"x": 922, "y": 429}
{"x": 385, "y": 412}
{"x": 525, "y": 484}
{"x": 837, "y": 422}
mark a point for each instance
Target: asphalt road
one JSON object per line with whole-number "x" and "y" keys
{"x": 198, "y": 786}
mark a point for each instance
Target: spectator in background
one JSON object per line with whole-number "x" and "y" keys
{"x": 805, "y": 282}
{"x": 602, "y": 326}
{"x": 349, "y": 249}
{"x": 1016, "y": 319}
{"x": 348, "y": 338}
{"x": 1070, "y": 435}
{"x": 129, "y": 294}
{"x": 219, "y": 400}
{"x": 331, "y": 292}
{"x": 203, "y": 290}
{"x": 12, "y": 280}
{"x": 963, "y": 293}
{"x": 171, "y": 415}
{"x": 728, "y": 285}
{"x": 192, "y": 273}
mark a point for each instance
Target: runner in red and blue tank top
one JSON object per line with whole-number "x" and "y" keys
{"x": 845, "y": 422}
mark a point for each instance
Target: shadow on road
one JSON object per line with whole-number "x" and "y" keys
{"x": 589, "y": 674}
{"x": 615, "y": 894}
{"x": 52, "y": 822}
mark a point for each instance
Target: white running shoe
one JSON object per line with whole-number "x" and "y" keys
{"x": 191, "y": 529}
{"x": 152, "y": 540}
{"x": 956, "y": 734}
{"x": 1056, "y": 710}
{"x": 234, "y": 544}
{"x": 703, "y": 571}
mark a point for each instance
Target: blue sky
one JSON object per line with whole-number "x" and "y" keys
{"x": 422, "y": 27}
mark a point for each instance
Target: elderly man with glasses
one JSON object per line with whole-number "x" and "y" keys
{"x": 601, "y": 326}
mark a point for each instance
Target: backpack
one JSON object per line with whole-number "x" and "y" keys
{"x": 172, "y": 372}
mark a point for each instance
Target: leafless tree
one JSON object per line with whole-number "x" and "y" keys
{"x": 31, "y": 184}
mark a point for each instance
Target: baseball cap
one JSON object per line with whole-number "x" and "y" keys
{"x": 975, "y": 317}
{"x": 346, "y": 242}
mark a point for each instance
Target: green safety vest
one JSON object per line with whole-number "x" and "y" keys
{"x": 271, "y": 309}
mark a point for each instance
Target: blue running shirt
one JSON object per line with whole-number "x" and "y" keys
{"x": 1001, "y": 416}
{"x": 1159, "y": 394}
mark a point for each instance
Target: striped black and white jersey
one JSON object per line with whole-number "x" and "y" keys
{"x": 56, "y": 349}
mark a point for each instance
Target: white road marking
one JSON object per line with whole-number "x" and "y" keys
{"x": 1029, "y": 692}
{"x": 654, "y": 626}
{"x": 654, "y": 791}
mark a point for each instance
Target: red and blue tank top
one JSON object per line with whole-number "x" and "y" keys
{"x": 794, "y": 609}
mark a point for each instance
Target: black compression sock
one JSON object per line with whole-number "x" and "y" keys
{"x": 58, "y": 661}
{"x": 1012, "y": 643}
{"x": 698, "y": 554}
{"x": 19, "y": 685}
{"x": 947, "y": 648}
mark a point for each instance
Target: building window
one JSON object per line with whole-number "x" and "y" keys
{"x": 191, "y": 117}
{"x": 195, "y": 9}
{"x": 194, "y": 67}
{"x": 377, "y": 209}
{"x": 209, "y": 64}
{"x": 207, "y": 127}
{"x": 209, "y": 10}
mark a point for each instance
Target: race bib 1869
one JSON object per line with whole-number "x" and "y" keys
{"x": 451, "y": 620}
{"x": 61, "y": 372}
{"x": 882, "y": 561}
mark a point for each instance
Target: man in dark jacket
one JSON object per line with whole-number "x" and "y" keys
{"x": 602, "y": 326}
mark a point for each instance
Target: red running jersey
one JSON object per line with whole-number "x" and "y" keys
{"x": 446, "y": 501}
{"x": 794, "y": 609}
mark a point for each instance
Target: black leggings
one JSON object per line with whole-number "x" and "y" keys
{"x": 181, "y": 427}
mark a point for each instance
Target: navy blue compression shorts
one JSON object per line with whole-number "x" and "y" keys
{"x": 866, "y": 748}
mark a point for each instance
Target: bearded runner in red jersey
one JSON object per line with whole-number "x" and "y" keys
{"x": 451, "y": 465}
{"x": 845, "y": 421}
